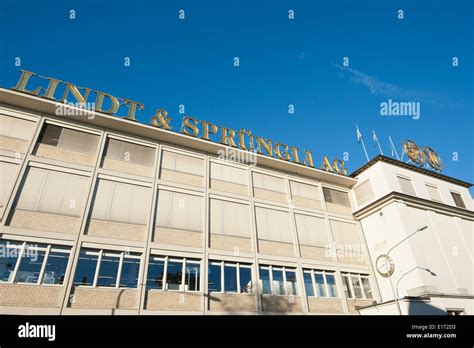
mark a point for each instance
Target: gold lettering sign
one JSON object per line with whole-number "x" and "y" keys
{"x": 421, "y": 156}
{"x": 242, "y": 139}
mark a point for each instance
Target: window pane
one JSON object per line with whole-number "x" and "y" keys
{"x": 214, "y": 278}
{"x": 458, "y": 200}
{"x": 366, "y": 286}
{"x": 108, "y": 271}
{"x": 192, "y": 276}
{"x": 320, "y": 286}
{"x": 406, "y": 186}
{"x": 50, "y": 135}
{"x": 265, "y": 279}
{"x": 331, "y": 281}
{"x": 356, "y": 286}
{"x": 291, "y": 287}
{"x": 30, "y": 265}
{"x": 155, "y": 274}
{"x": 245, "y": 280}
{"x": 130, "y": 270}
{"x": 8, "y": 259}
{"x": 308, "y": 284}
{"x": 336, "y": 197}
{"x": 278, "y": 285}
{"x": 347, "y": 287}
{"x": 174, "y": 275}
{"x": 230, "y": 278}
{"x": 130, "y": 152}
{"x": 55, "y": 270}
{"x": 85, "y": 270}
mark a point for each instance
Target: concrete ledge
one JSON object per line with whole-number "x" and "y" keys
{"x": 180, "y": 177}
{"x": 13, "y": 144}
{"x": 325, "y": 305}
{"x": 158, "y": 300}
{"x": 283, "y": 304}
{"x": 231, "y": 187}
{"x": 32, "y": 220}
{"x": 53, "y": 152}
{"x": 270, "y": 195}
{"x": 127, "y": 167}
{"x": 101, "y": 298}
{"x": 275, "y": 248}
{"x": 178, "y": 237}
{"x": 116, "y": 230}
{"x": 30, "y": 295}
{"x": 232, "y": 303}
{"x": 233, "y": 243}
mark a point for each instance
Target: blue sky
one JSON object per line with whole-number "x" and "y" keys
{"x": 282, "y": 62}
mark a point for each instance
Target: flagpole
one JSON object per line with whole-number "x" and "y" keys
{"x": 393, "y": 147}
{"x": 359, "y": 137}
{"x": 374, "y": 137}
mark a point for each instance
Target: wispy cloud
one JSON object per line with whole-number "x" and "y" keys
{"x": 377, "y": 87}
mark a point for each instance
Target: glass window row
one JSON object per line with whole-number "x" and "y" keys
{"x": 46, "y": 264}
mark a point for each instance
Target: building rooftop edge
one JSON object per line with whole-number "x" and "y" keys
{"x": 382, "y": 158}
{"x": 118, "y": 123}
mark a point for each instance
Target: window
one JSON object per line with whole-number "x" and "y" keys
{"x": 86, "y": 267}
{"x": 114, "y": 269}
{"x": 33, "y": 263}
{"x": 320, "y": 283}
{"x": 337, "y": 201}
{"x": 9, "y": 253}
{"x": 179, "y": 211}
{"x": 458, "y": 200}
{"x": 433, "y": 193}
{"x": 406, "y": 186}
{"x": 364, "y": 193}
{"x": 455, "y": 312}
{"x": 69, "y": 139}
{"x": 121, "y": 202}
{"x": 269, "y": 187}
{"x": 357, "y": 286}
{"x": 311, "y": 230}
{"x": 273, "y": 225}
{"x": 304, "y": 194}
{"x": 8, "y": 171}
{"x": 346, "y": 235}
{"x": 182, "y": 168}
{"x": 228, "y": 218}
{"x": 225, "y": 178}
{"x": 176, "y": 274}
{"x": 156, "y": 271}
{"x": 130, "y": 152}
{"x": 268, "y": 182}
{"x": 278, "y": 280}
{"x": 130, "y": 272}
{"x": 56, "y": 265}
{"x": 109, "y": 266}
{"x": 53, "y": 192}
{"x": 214, "y": 277}
{"x": 229, "y": 277}
{"x": 14, "y": 127}
{"x": 308, "y": 283}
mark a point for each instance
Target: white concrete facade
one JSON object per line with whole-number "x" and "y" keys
{"x": 433, "y": 268}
